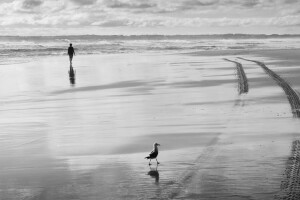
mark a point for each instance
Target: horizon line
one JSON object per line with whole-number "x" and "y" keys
{"x": 128, "y": 35}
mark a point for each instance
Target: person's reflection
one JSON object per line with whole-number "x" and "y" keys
{"x": 154, "y": 174}
{"x": 72, "y": 75}
{"x": 72, "y": 81}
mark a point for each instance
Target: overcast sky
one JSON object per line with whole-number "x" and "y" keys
{"x": 61, "y": 17}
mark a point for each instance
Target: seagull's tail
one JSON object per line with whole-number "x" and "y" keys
{"x": 147, "y": 157}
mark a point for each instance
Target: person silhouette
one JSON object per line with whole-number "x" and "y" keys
{"x": 71, "y": 52}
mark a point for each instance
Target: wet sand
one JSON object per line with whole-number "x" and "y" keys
{"x": 88, "y": 140}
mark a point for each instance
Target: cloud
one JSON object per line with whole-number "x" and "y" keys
{"x": 150, "y": 13}
{"x": 169, "y": 6}
{"x": 111, "y": 23}
{"x": 250, "y": 3}
{"x": 200, "y": 3}
{"x": 128, "y": 4}
{"x": 201, "y": 22}
{"x": 29, "y": 4}
{"x": 194, "y": 5}
{"x": 84, "y": 2}
{"x": 291, "y": 1}
{"x": 175, "y": 6}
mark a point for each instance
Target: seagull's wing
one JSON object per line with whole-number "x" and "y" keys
{"x": 151, "y": 154}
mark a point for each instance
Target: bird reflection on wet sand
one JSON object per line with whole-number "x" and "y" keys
{"x": 154, "y": 174}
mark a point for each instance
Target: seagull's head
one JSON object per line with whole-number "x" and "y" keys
{"x": 156, "y": 144}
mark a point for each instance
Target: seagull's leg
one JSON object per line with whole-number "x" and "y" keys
{"x": 150, "y": 162}
{"x": 157, "y": 161}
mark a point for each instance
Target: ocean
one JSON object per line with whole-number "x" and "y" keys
{"x": 18, "y": 49}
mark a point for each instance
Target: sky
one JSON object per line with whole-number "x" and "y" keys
{"x": 131, "y": 17}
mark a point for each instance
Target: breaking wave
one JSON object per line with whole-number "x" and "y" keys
{"x": 18, "y": 47}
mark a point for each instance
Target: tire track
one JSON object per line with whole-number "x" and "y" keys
{"x": 290, "y": 186}
{"x": 243, "y": 86}
{"x": 178, "y": 185}
{"x": 291, "y": 94}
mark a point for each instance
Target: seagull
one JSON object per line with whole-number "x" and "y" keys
{"x": 153, "y": 153}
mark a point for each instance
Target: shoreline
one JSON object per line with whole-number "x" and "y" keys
{"x": 275, "y": 52}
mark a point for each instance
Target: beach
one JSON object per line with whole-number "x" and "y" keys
{"x": 226, "y": 127}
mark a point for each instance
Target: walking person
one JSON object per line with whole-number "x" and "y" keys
{"x": 71, "y": 53}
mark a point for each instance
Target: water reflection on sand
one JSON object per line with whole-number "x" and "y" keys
{"x": 89, "y": 141}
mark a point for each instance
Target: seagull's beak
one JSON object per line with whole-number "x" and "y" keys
{"x": 158, "y": 144}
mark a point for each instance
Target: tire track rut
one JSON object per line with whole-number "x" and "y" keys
{"x": 243, "y": 86}
{"x": 291, "y": 94}
{"x": 290, "y": 186}
{"x": 179, "y": 184}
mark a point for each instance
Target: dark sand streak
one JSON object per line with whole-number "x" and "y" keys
{"x": 291, "y": 94}
{"x": 117, "y": 85}
{"x": 178, "y": 185}
{"x": 243, "y": 86}
{"x": 290, "y": 186}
